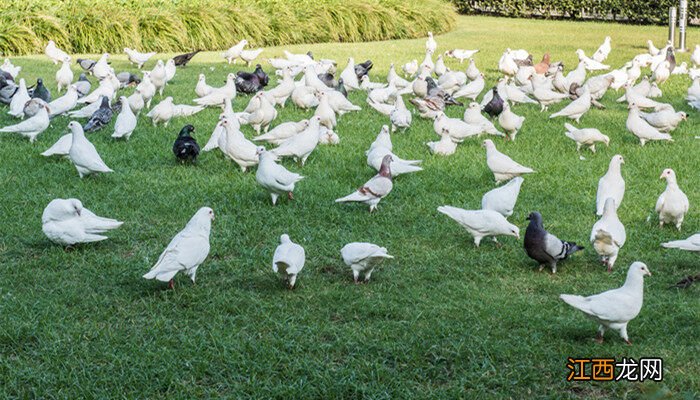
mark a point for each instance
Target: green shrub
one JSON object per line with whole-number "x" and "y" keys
{"x": 634, "y": 11}
{"x": 97, "y": 26}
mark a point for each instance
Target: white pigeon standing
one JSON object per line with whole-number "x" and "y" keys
{"x": 234, "y": 51}
{"x": 590, "y": 64}
{"x": 615, "y": 308}
{"x": 510, "y": 121}
{"x": 288, "y": 260}
{"x": 363, "y": 258}
{"x": 585, "y": 137}
{"x": 54, "y": 53}
{"x": 186, "y": 251}
{"x": 136, "y": 102}
{"x": 170, "y": 70}
{"x": 83, "y": 154}
{"x": 283, "y": 131}
{"x": 157, "y": 76}
{"x": 64, "y": 75}
{"x": 473, "y": 116}
{"x": 602, "y": 53}
{"x": 378, "y": 150}
{"x": 10, "y": 68}
{"x": 163, "y": 112}
{"x": 202, "y": 89}
{"x": 31, "y": 127}
{"x": 147, "y": 89}
{"x": 502, "y": 166}
{"x": 440, "y": 67}
{"x": 642, "y": 129}
{"x": 576, "y": 108}
{"x": 665, "y": 119}
{"x": 445, "y": 146}
{"x": 64, "y": 103}
{"x": 427, "y": 64}
{"x": 67, "y": 222}
{"x": 374, "y": 189}
{"x": 472, "y": 70}
{"x": 301, "y": 145}
{"x": 138, "y": 58}
{"x": 18, "y": 101}
{"x": 400, "y": 116}
{"x": 275, "y": 178}
{"x": 608, "y": 234}
{"x": 61, "y": 147}
{"x": 349, "y": 77}
{"x": 672, "y": 204}
{"x": 502, "y": 199}
{"x": 430, "y": 43}
{"x": 410, "y": 68}
{"x": 236, "y": 146}
{"x": 101, "y": 69}
{"x": 611, "y": 185}
{"x": 690, "y": 244}
{"x": 481, "y": 223}
{"x": 126, "y": 121}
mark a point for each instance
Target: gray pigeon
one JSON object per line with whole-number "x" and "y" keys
{"x": 82, "y": 85}
{"x": 544, "y": 247}
{"x": 86, "y": 64}
{"x": 100, "y": 118}
{"x": 7, "y": 89}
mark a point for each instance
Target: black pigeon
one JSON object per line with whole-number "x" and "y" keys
{"x": 494, "y": 107}
{"x": 686, "y": 282}
{"x": 341, "y": 87}
{"x": 435, "y": 90}
{"x": 247, "y": 82}
{"x": 329, "y": 80}
{"x": 671, "y": 58}
{"x": 183, "y": 59}
{"x": 99, "y": 118}
{"x": 83, "y": 85}
{"x": 41, "y": 92}
{"x": 363, "y": 69}
{"x": 544, "y": 247}
{"x": 185, "y": 147}
{"x": 86, "y": 64}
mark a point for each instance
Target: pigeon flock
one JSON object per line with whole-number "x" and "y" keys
{"x": 316, "y": 84}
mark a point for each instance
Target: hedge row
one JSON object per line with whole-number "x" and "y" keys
{"x": 96, "y": 26}
{"x": 632, "y": 11}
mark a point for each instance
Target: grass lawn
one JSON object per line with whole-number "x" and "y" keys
{"x": 442, "y": 320}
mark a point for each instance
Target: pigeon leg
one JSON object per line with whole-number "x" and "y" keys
{"x": 171, "y": 284}
{"x": 356, "y": 276}
{"x": 368, "y": 274}
{"x": 599, "y": 336}
{"x": 541, "y": 267}
{"x": 290, "y": 195}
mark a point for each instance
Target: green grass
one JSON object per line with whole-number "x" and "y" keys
{"x": 442, "y": 320}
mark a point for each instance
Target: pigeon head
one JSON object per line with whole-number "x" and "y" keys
{"x": 638, "y": 269}
{"x": 474, "y": 106}
{"x": 669, "y": 175}
{"x": 202, "y": 218}
{"x": 606, "y": 140}
{"x": 186, "y": 130}
{"x": 244, "y": 42}
{"x": 83, "y": 78}
{"x": 285, "y": 239}
{"x": 445, "y": 131}
{"x": 683, "y": 116}
{"x": 260, "y": 150}
{"x": 616, "y": 161}
{"x": 488, "y": 144}
{"x": 39, "y": 82}
{"x": 385, "y": 169}
{"x": 104, "y": 102}
{"x": 514, "y": 231}
{"x": 202, "y": 78}
{"x": 535, "y": 218}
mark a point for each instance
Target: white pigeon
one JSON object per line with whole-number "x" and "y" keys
{"x": 608, "y": 234}
{"x": 374, "y": 189}
{"x": 339, "y": 103}
{"x": 693, "y": 90}
{"x": 576, "y": 108}
{"x": 349, "y": 77}
{"x": 64, "y": 76}
{"x": 502, "y": 166}
{"x": 615, "y": 308}
{"x": 507, "y": 65}
{"x": 445, "y": 146}
{"x": 430, "y": 43}
{"x": 577, "y": 76}
{"x": 612, "y": 185}
{"x": 400, "y": 116}
{"x": 61, "y": 147}
{"x": 450, "y": 81}
{"x": 458, "y": 129}
{"x": 234, "y": 51}
{"x": 304, "y": 97}
{"x": 472, "y": 89}
{"x": 136, "y": 102}
{"x": 163, "y": 112}
{"x": 18, "y": 101}
{"x": 472, "y": 71}
{"x": 170, "y": 70}
{"x": 585, "y": 137}
{"x": 590, "y": 64}
{"x": 288, "y": 260}
{"x": 249, "y": 55}
{"x": 158, "y": 76}
{"x": 328, "y": 137}
{"x": 481, "y": 223}
{"x": 67, "y": 222}
{"x": 427, "y": 63}
{"x": 672, "y": 204}
{"x": 10, "y": 68}
{"x": 275, "y": 178}
{"x": 184, "y": 110}
{"x": 602, "y": 53}
{"x": 301, "y": 145}
{"x": 325, "y": 112}
{"x": 461, "y": 54}
{"x": 138, "y": 58}
{"x": 662, "y": 72}
{"x": 695, "y": 56}
{"x": 236, "y": 147}
{"x": 653, "y": 50}
{"x": 363, "y": 258}
{"x": 367, "y": 85}
{"x": 474, "y": 117}
{"x": 218, "y": 96}
{"x": 85, "y": 112}
{"x": 378, "y": 150}
{"x": 546, "y": 96}
{"x": 509, "y": 121}
{"x": 31, "y": 127}
{"x": 186, "y": 251}
{"x": 382, "y": 108}
{"x": 126, "y": 121}
{"x": 263, "y": 116}
{"x": 283, "y": 131}
{"x": 399, "y": 82}
{"x": 665, "y": 119}
{"x": 642, "y": 129}
{"x": 202, "y": 89}
{"x": 503, "y": 199}
{"x": 440, "y": 67}
{"x": 104, "y": 89}
{"x": 64, "y": 103}
{"x": 54, "y": 53}
{"x": 147, "y": 89}
{"x": 410, "y": 68}
{"x": 83, "y": 154}
{"x": 101, "y": 69}
{"x": 283, "y": 90}
{"x": 690, "y": 244}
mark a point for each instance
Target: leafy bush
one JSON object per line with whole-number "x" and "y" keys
{"x": 634, "y": 11}
{"x": 97, "y": 26}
